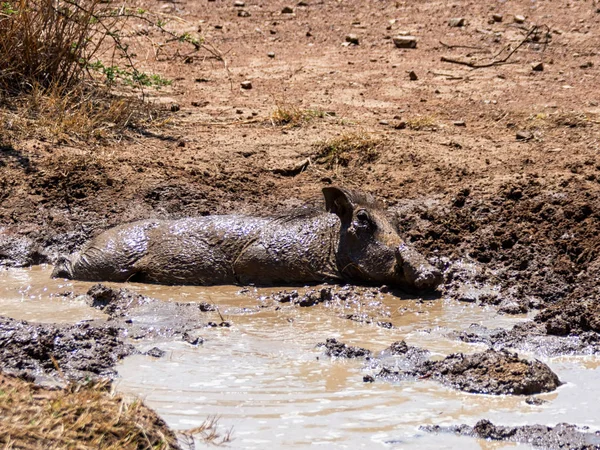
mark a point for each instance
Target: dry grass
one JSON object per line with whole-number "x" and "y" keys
{"x": 78, "y": 115}
{"x": 80, "y": 417}
{"x": 285, "y": 114}
{"x": 356, "y": 146}
{"x": 422, "y": 123}
{"x": 51, "y": 79}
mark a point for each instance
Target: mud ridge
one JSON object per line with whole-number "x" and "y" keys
{"x": 540, "y": 436}
{"x": 48, "y": 353}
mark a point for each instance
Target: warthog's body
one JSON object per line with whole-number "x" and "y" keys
{"x": 352, "y": 241}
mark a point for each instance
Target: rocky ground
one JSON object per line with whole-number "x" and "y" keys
{"x": 482, "y": 140}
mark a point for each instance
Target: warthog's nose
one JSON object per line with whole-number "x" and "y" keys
{"x": 417, "y": 271}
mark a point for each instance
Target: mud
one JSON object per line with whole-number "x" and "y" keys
{"x": 539, "y": 436}
{"x": 533, "y": 338}
{"x": 336, "y": 349}
{"x": 144, "y": 317}
{"x": 489, "y": 372}
{"x": 47, "y": 353}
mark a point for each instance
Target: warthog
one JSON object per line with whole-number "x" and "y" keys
{"x": 353, "y": 240}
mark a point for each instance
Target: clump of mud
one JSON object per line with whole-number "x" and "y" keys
{"x": 488, "y": 372}
{"x": 337, "y": 349}
{"x": 533, "y": 337}
{"x": 538, "y": 244}
{"x": 145, "y": 317}
{"x": 61, "y": 352}
{"x": 559, "y": 437}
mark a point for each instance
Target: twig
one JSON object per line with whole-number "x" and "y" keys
{"x": 461, "y": 46}
{"x": 495, "y": 62}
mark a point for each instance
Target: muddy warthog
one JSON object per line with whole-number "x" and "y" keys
{"x": 353, "y": 240}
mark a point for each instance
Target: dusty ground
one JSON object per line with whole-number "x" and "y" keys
{"x": 495, "y": 168}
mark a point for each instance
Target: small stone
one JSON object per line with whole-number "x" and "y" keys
{"x": 239, "y": 111}
{"x": 400, "y": 125}
{"x": 271, "y": 55}
{"x": 586, "y": 65}
{"x": 497, "y": 17}
{"x": 524, "y": 135}
{"x": 175, "y": 107}
{"x": 193, "y": 338}
{"x": 413, "y": 76}
{"x": 302, "y": 3}
{"x": 405, "y": 41}
{"x": 457, "y": 22}
{"x": 243, "y": 13}
{"x": 218, "y": 27}
{"x": 199, "y": 104}
{"x": 535, "y": 401}
{"x": 383, "y": 122}
{"x": 459, "y": 123}
{"x": 352, "y": 39}
{"x": 368, "y": 379}
{"x": 537, "y": 67}
{"x": 239, "y": 4}
{"x": 156, "y": 352}
{"x": 287, "y": 10}
{"x": 519, "y": 19}
{"x": 308, "y": 34}
{"x": 246, "y": 84}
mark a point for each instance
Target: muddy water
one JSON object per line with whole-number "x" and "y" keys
{"x": 265, "y": 379}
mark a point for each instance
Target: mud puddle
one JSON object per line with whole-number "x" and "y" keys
{"x": 265, "y": 377}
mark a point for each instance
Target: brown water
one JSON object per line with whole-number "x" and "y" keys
{"x": 266, "y": 380}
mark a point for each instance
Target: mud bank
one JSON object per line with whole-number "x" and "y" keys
{"x": 489, "y": 372}
{"x": 59, "y": 353}
{"x": 540, "y": 436}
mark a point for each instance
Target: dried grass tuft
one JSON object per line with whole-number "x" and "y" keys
{"x": 357, "y": 146}
{"x": 79, "y": 417}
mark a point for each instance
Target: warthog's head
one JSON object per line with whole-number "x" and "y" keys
{"x": 370, "y": 248}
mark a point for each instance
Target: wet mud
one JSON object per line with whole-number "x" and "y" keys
{"x": 539, "y": 436}
{"x": 489, "y": 372}
{"x": 532, "y": 337}
{"x": 47, "y": 353}
{"x": 144, "y": 317}
{"x": 54, "y": 353}
{"x": 332, "y": 347}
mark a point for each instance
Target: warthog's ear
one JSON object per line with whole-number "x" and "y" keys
{"x": 339, "y": 201}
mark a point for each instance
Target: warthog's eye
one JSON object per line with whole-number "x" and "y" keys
{"x": 363, "y": 219}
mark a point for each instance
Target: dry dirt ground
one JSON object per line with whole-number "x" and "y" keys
{"x": 496, "y": 165}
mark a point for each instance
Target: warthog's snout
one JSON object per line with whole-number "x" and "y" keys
{"x": 417, "y": 271}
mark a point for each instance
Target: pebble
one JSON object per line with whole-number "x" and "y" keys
{"x": 175, "y": 107}
{"x": 457, "y": 22}
{"x": 460, "y": 123}
{"x": 383, "y": 122}
{"x": 287, "y": 10}
{"x": 524, "y": 135}
{"x": 271, "y": 55}
{"x": 243, "y": 13}
{"x": 497, "y": 17}
{"x": 405, "y": 41}
{"x": 519, "y": 19}
{"x": 413, "y": 76}
{"x": 352, "y": 39}
{"x": 302, "y": 3}
{"x": 239, "y": 4}
{"x": 538, "y": 67}
{"x": 239, "y": 111}
{"x": 246, "y": 84}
